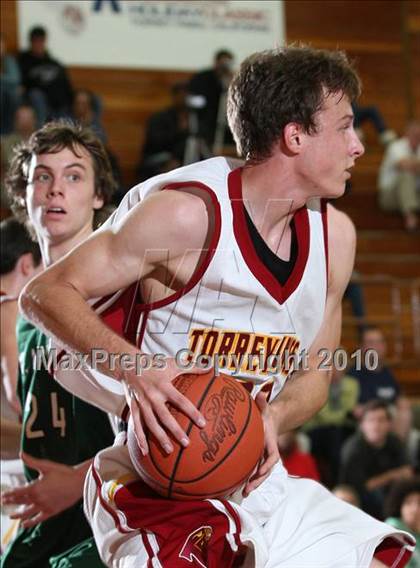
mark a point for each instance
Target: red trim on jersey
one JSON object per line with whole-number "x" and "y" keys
{"x": 231, "y": 510}
{"x": 392, "y": 553}
{"x": 123, "y": 315}
{"x": 104, "y": 504}
{"x": 324, "y": 213}
{"x": 198, "y": 275}
{"x": 259, "y": 270}
{"x": 148, "y": 547}
{"x": 142, "y": 328}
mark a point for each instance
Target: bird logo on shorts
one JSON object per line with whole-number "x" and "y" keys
{"x": 195, "y": 547}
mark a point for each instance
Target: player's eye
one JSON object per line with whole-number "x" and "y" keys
{"x": 73, "y": 177}
{"x": 42, "y": 178}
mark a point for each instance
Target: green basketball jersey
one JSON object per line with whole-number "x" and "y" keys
{"x": 56, "y": 425}
{"x": 60, "y": 427}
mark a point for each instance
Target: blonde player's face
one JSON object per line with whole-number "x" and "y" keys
{"x": 60, "y": 196}
{"x": 330, "y": 152}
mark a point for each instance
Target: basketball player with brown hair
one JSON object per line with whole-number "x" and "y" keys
{"x": 252, "y": 256}
{"x": 59, "y": 181}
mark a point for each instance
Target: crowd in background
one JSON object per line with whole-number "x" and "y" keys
{"x": 365, "y": 442}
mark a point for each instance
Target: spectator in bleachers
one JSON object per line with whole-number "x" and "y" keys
{"x": 212, "y": 84}
{"x": 378, "y": 383}
{"x": 354, "y": 293}
{"x": 402, "y": 510}
{"x": 372, "y": 114}
{"x": 86, "y": 110}
{"x": 166, "y": 135}
{"x": 24, "y": 125}
{"x": 45, "y": 81}
{"x": 403, "y": 427}
{"x": 329, "y": 429}
{"x": 295, "y": 460}
{"x": 10, "y": 88}
{"x": 347, "y": 493}
{"x": 374, "y": 457}
{"x": 399, "y": 176}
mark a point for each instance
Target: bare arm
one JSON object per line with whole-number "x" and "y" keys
{"x": 306, "y": 392}
{"x": 108, "y": 261}
{"x": 9, "y": 353}
{"x": 396, "y": 474}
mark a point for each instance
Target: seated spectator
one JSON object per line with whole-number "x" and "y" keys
{"x": 379, "y": 383}
{"x": 166, "y": 136}
{"x": 403, "y": 427}
{"x": 402, "y": 511}
{"x": 347, "y": 494}
{"x": 86, "y": 110}
{"x": 399, "y": 176}
{"x": 372, "y": 114}
{"x": 45, "y": 81}
{"x": 10, "y": 88}
{"x": 296, "y": 461}
{"x": 354, "y": 293}
{"x": 373, "y": 458}
{"x": 333, "y": 424}
{"x": 24, "y": 125}
{"x": 212, "y": 84}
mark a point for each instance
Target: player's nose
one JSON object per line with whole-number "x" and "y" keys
{"x": 357, "y": 148}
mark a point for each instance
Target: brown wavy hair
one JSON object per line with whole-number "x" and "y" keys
{"x": 279, "y": 86}
{"x": 50, "y": 139}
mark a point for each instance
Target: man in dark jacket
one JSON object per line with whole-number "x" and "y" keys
{"x": 373, "y": 458}
{"x": 47, "y": 86}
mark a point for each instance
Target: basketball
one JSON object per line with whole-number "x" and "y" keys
{"x": 220, "y": 457}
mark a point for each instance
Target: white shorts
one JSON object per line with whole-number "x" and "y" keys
{"x": 289, "y": 522}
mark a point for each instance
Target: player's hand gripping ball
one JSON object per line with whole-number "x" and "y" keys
{"x": 220, "y": 457}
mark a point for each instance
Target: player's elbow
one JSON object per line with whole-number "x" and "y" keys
{"x": 30, "y": 297}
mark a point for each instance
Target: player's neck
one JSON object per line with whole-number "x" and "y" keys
{"x": 10, "y": 285}
{"x": 272, "y": 193}
{"x": 52, "y": 250}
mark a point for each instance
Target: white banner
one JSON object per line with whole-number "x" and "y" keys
{"x": 152, "y": 34}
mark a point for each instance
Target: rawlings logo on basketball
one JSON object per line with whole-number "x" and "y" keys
{"x": 195, "y": 547}
{"x": 219, "y": 412}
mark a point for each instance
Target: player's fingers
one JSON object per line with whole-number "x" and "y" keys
{"x": 170, "y": 423}
{"x": 138, "y": 426}
{"x": 26, "y": 513}
{"x": 271, "y": 458}
{"x": 155, "y": 428}
{"x": 17, "y": 496}
{"x": 186, "y": 406}
{"x": 35, "y": 520}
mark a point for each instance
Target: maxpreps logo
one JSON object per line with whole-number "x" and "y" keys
{"x": 244, "y": 352}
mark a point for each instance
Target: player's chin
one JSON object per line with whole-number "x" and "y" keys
{"x": 335, "y": 191}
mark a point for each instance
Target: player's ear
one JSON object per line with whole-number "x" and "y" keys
{"x": 25, "y": 264}
{"x": 293, "y": 137}
{"x": 98, "y": 202}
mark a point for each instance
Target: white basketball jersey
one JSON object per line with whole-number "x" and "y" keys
{"x": 233, "y": 310}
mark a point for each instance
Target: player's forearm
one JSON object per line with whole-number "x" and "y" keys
{"x": 80, "y": 471}
{"x": 64, "y": 315}
{"x": 301, "y": 398}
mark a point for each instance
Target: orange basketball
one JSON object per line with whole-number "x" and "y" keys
{"x": 220, "y": 457}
